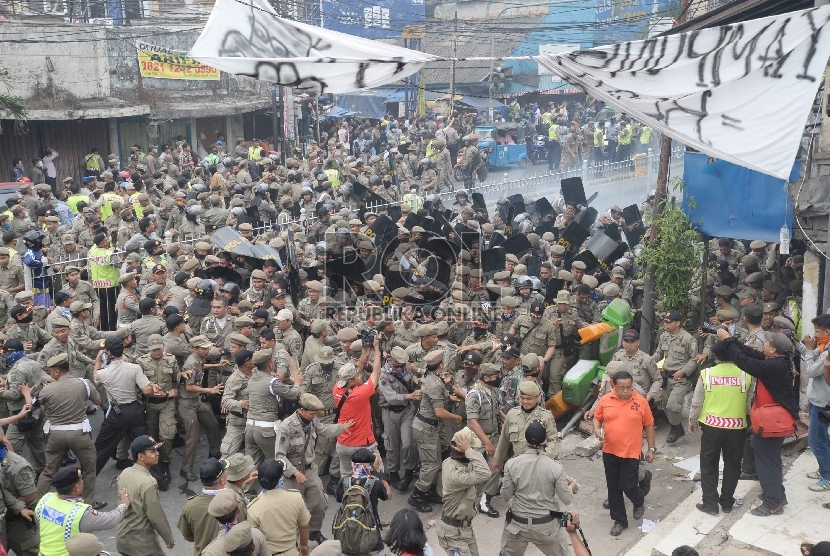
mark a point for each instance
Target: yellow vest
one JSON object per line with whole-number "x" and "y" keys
{"x": 103, "y": 273}
{"x": 547, "y": 118}
{"x": 553, "y": 133}
{"x": 430, "y": 152}
{"x": 333, "y": 176}
{"x": 625, "y": 139}
{"x": 106, "y": 206}
{"x": 725, "y": 389}
{"x": 253, "y": 153}
{"x": 91, "y": 162}
{"x": 73, "y": 201}
{"x": 139, "y": 210}
{"x": 58, "y": 519}
{"x": 645, "y": 135}
{"x": 597, "y": 133}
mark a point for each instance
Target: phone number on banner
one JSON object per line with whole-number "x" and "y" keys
{"x": 165, "y": 66}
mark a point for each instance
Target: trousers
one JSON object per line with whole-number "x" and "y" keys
{"x": 819, "y": 440}
{"x": 260, "y": 443}
{"x": 462, "y": 539}
{"x": 34, "y": 439}
{"x": 401, "y": 452}
{"x": 195, "y": 414}
{"x": 313, "y": 494}
{"x": 325, "y": 449}
{"x": 621, "y": 475}
{"x": 673, "y": 396}
{"x": 132, "y": 422}
{"x": 558, "y": 369}
{"x": 713, "y": 443}
{"x": 547, "y": 538}
{"x": 161, "y": 423}
{"x": 429, "y": 450}
{"x": 81, "y": 444}
{"x": 770, "y": 469}
{"x": 234, "y": 438}
{"x": 492, "y": 485}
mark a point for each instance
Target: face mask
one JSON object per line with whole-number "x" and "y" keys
{"x": 27, "y": 319}
{"x": 470, "y": 373}
{"x": 479, "y": 332}
{"x": 327, "y": 368}
{"x": 200, "y": 256}
{"x": 3, "y": 451}
{"x": 494, "y": 383}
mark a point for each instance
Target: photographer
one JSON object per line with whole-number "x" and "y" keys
{"x": 773, "y": 369}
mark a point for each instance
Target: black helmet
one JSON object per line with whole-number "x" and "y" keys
{"x": 34, "y": 239}
{"x": 204, "y": 289}
{"x": 374, "y": 179}
{"x": 321, "y": 247}
{"x": 535, "y": 434}
{"x": 322, "y": 211}
{"x": 233, "y": 289}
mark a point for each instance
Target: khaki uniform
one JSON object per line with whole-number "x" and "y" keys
{"x": 534, "y": 485}
{"x": 398, "y": 415}
{"x": 679, "y": 352}
{"x": 145, "y": 520}
{"x": 571, "y": 152}
{"x": 482, "y": 404}
{"x": 197, "y": 523}
{"x": 513, "y": 432}
{"x": 18, "y": 480}
{"x": 309, "y": 311}
{"x": 161, "y": 412}
{"x": 195, "y": 413}
{"x": 25, "y": 371}
{"x": 646, "y": 377}
{"x": 217, "y": 545}
{"x": 278, "y": 513}
{"x": 321, "y": 383}
{"x": 426, "y": 429}
{"x": 127, "y": 308}
{"x": 459, "y": 482}
{"x": 79, "y": 364}
{"x": 31, "y": 333}
{"x": 235, "y": 392}
{"x": 219, "y": 335}
{"x": 11, "y": 276}
{"x": 501, "y": 326}
{"x": 295, "y": 445}
{"x": 416, "y": 354}
{"x": 560, "y": 363}
{"x": 142, "y": 328}
{"x": 64, "y": 402}
{"x": 264, "y": 392}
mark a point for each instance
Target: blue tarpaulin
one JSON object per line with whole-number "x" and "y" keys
{"x": 733, "y": 201}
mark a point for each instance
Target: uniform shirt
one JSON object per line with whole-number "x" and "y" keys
{"x": 127, "y": 307}
{"x": 78, "y": 361}
{"x": 416, "y": 354}
{"x": 459, "y": 482}
{"x": 678, "y": 350}
{"x": 64, "y": 400}
{"x": 197, "y": 523}
{"x": 121, "y": 380}
{"x": 535, "y": 338}
{"x": 163, "y": 371}
{"x": 195, "y": 364}
{"x": 534, "y": 483}
{"x": 435, "y": 395}
{"x": 321, "y": 383}
{"x": 357, "y": 407}
{"x": 142, "y": 328}
{"x": 510, "y": 388}
{"x": 24, "y": 371}
{"x": 10, "y": 276}
{"x": 145, "y": 520}
{"x": 623, "y": 422}
{"x": 292, "y": 341}
{"x": 235, "y": 392}
{"x": 177, "y": 346}
{"x": 18, "y": 479}
{"x": 644, "y": 373}
{"x": 513, "y": 432}
{"x": 278, "y": 513}
{"x": 296, "y": 440}
{"x": 217, "y": 545}
{"x": 482, "y": 403}
{"x": 392, "y": 392}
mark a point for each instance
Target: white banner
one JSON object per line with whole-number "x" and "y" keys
{"x": 741, "y": 92}
{"x": 246, "y": 37}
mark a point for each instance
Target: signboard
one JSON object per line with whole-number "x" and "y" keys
{"x": 375, "y": 19}
{"x": 160, "y": 62}
{"x": 628, "y": 20}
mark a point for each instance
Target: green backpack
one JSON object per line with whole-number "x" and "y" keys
{"x": 354, "y": 524}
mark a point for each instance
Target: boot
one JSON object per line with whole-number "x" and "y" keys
{"x": 331, "y": 487}
{"x": 123, "y": 463}
{"x": 433, "y": 497}
{"x": 158, "y": 474}
{"x": 394, "y": 478}
{"x": 485, "y": 508}
{"x": 418, "y": 501}
{"x": 317, "y": 537}
{"x": 404, "y": 483}
{"x": 645, "y": 484}
{"x": 675, "y": 433}
{"x": 70, "y": 458}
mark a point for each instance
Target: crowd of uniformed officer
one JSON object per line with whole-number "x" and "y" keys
{"x": 196, "y": 338}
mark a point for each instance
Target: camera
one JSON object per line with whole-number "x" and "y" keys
{"x": 367, "y": 336}
{"x": 710, "y": 328}
{"x": 224, "y": 352}
{"x": 565, "y": 519}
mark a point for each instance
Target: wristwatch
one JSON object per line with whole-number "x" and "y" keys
{"x": 652, "y": 449}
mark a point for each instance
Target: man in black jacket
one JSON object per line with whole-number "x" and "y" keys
{"x": 774, "y": 369}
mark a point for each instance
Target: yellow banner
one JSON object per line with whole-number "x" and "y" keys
{"x": 162, "y": 63}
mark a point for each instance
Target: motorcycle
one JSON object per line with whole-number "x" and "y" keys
{"x": 540, "y": 149}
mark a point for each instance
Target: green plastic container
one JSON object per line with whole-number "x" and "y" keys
{"x": 617, "y": 313}
{"x": 577, "y": 382}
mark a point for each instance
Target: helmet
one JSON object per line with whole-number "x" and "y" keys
{"x": 262, "y": 188}
{"x": 461, "y": 193}
{"x": 322, "y": 247}
{"x": 349, "y": 159}
{"x": 34, "y": 239}
{"x": 233, "y": 289}
{"x": 343, "y": 232}
{"x": 204, "y": 289}
{"x": 307, "y": 190}
{"x": 237, "y": 211}
{"x": 425, "y": 161}
{"x": 193, "y": 210}
{"x": 525, "y": 282}
{"x": 322, "y": 211}
{"x": 322, "y": 177}
{"x": 652, "y": 194}
{"x": 306, "y": 183}
{"x": 374, "y": 179}
{"x": 465, "y": 139}
{"x": 200, "y": 187}
{"x": 228, "y": 161}
{"x": 346, "y": 189}
{"x": 237, "y": 187}
{"x": 526, "y": 227}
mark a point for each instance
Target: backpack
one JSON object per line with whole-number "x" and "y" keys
{"x": 354, "y": 524}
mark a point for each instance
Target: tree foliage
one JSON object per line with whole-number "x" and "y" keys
{"x": 12, "y": 104}
{"x": 673, "y": 258}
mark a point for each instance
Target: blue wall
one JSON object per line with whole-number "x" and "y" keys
{"x": 372, "y": 19}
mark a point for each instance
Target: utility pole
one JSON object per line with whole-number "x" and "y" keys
{"x": 659, "y": 200}
{"x": 492, "y": 67}
{"x": 274, "y": 125}
{"x": 454, "y": 55}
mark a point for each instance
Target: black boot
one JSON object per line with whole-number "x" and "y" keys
{"x": 123, "y": 463}
{"x": 485, "y": 508}
{"x": 331, "y": 486}
{"x": 404, "y": 483}
{"x": 69, "y": 458}
{"x": 645, "y": 484}
{"x": 675, "y": 433}
{"x": 317, "y": 537}
{"x": 394, "y": 478}
{"x": 418, "y": 501}
{"x": 433, "y": 497}
{"x": 158, "y": 474}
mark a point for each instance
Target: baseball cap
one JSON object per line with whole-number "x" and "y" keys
{"x": 212, "y": 469}
{"x": 143, "y": 443}
{"x": 631, "y": 334}
{"x": 670, "y": 316}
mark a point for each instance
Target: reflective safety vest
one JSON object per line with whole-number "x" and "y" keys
{"x": 253, "y": 153}
{"x": 91, "y": 162}
{"x": 553, "y": 133}
{"x": 430, "y": 152}
{"x": 415, "y": 202}
{"x": 106, "y": 206}
{"x": 333, "y": 176}
{"x": 547, "y": 118}
{"x": 58, "y": 519}
{"x": 645, "y": 135}
{"x": 73, "y": 201}
{"x": 625, "y": 138}
{"x": 725, "y": 389}
{"x": 139, "y": 210}
{"x": 103, "y": 273}
{"x": 597, "y": 135}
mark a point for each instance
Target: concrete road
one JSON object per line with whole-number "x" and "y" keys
{"x": 669, "y": 487}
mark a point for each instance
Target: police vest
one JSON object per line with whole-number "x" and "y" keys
{"x": 91, "y": 162}
{"x": 626, "y": 138}
{"x": 253, "y": 153}
{"x": 58, "y": 519}
{"x": 726, "y": 387}
{"x": 553, "y": 133}
{"x": 430, "y": 152}
{"x": 103, "y": 274}
{"x": 597, "y": 135}
{"x": 333, "y": 176}
{"x": 106, "y": 206}
{"x": 414, "y": 201}
{"x": 139, "y": 210}
{"x": 73, "y": 201}
{"x": 547, "y": 118}
{"x": 645, "y": 135}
